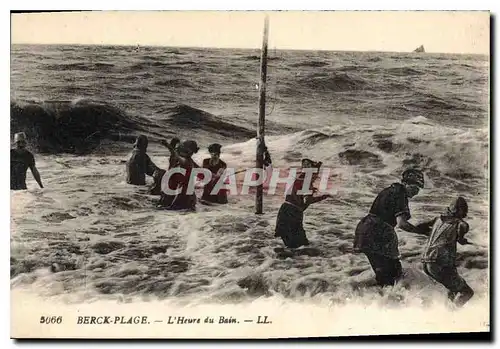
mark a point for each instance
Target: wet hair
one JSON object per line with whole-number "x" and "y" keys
{"x": 141, "y": 142}
{"x": 459, "y": 204}
{"x": 174, "y": 141}
{"x": 308, "y": 163}
{"x": 214, "y": 148}
{"x": 191, "y": 145}
{"x": 187, "y": 147}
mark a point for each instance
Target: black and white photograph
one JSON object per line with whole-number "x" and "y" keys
{"x": 249, "y": 174}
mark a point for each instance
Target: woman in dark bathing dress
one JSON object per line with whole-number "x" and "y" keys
{"x": 159, "y": 173}
{"x": 183, "y": 200}
{"x": 217, "y": 167}
{"x": 289, "y": 223}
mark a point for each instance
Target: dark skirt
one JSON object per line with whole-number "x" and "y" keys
{"x": 387, "y": 270}
{"x": 447, "y": 275}
{"x": 165, "y": 200}
{"x": 375, "y": 236}
{"x": 459, "y": 292}
{"x": 219, "y": 198}
{"x": 180, "y": 201}
{"x": 289, "y": 226}
{"x": 183, "y": 202}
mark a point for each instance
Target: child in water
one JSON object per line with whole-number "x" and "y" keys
{"x": 440, "y": 253}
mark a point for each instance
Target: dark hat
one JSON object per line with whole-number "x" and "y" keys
{"x": 214, "y": 148}
{"x": 20, "y": 137}
{"x": 413, "y": 177}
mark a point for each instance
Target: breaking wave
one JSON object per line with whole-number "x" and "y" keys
{"x": 71, "y": 126}
{"x": 449, "y": 156}
{"x": 82, "y": 126}
{"x": 190, "y": 118}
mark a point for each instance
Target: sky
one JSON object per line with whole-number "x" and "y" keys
{"x": 438, "y": 31}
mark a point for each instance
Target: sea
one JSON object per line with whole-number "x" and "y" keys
{"x": 90, "y": 238}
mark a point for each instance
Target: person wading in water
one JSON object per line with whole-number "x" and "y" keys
{"x": 183, "y": 200}
{"x": 139, "y": 164}
{"x": 217, "y": 167}
{"x": 20, "y": 160}
{"x": 172, "y": 148}
{"x": 440, "y": 254}
{"x": 159, "y": 172}
{"x": 375, "y": 235}
{"x": 289, "y": 222}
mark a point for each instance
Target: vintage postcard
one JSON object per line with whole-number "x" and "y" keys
{"x": 231, "y": 174}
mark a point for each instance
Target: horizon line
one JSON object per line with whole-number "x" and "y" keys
{"x": 246, "y": 48}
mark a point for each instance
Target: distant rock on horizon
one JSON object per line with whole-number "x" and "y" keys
{"x": 420, "y": 49}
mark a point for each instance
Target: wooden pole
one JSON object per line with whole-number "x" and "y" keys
{"x": 259, "y": 161}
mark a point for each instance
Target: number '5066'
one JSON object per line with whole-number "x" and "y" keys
{"x": 51, "y": 319}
